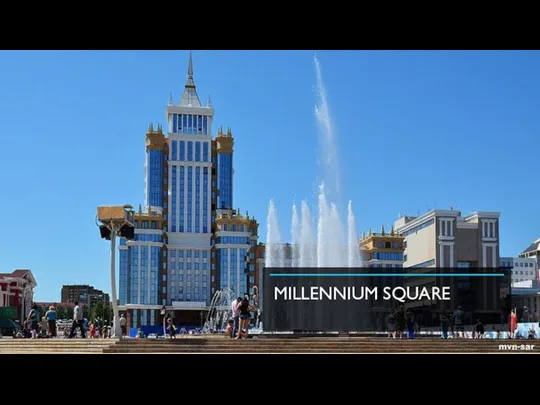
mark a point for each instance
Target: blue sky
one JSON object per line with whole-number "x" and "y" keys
{"x": 415, "y": 130}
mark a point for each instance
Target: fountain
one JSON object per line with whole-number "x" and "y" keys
{"x": 220, "y": 311}
{"x": 330, "y": 245}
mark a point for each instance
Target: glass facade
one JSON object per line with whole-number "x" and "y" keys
{"x": 233, "y": 240}
{"x": 142, "y": 272}
{"x": 397, "y": 256}
{"x": 189, "y": 194}
{"x": 173, "y": 197}
{"x": 197, "y": 199}
{"x": 189, "y": 272}
{"x": 190, "y": 124}
{"x": 206, "y": 202}
{"x": 190, "y": 199}
{"x": 123, "y": 276}
{"x": 232, "y": 269}
{"x": 181, "y": 227}
{"x": 182, "y": 156}
{"x": 155, "y": 178}
{"x": 225, "y": 181}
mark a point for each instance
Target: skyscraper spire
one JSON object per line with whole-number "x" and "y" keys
{"x": 190, "y": 98}
{"x": 190, "y": 81}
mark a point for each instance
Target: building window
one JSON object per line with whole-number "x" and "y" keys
{"x": 446, "y": 227}
{"x": 488, "y": 229}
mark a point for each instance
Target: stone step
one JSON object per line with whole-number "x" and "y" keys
{"x": 60, "y": 341}
{"x": 307, "y": 341}
{"x": 225, "y": 345}
{"x": 71, "y": 347}
{"x": 14, "y": 346}
{"x": 49, "y": 352}
{"x": 318, "y": 344}
{"x": 295, "y": 349}
{"x": 303, "y": 349}
{"x": 315, "y": 345}
{"x": 52, "y": 349}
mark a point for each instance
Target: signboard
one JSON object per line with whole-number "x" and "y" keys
{"x": 373, "y": 299}
{"x": 8, "y": 312}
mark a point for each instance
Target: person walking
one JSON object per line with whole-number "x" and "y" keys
{"x": 78, "y": 321}
{"x": 50, "y": 315}
{"x": 123, "y": 322}
{"x": 236, "y": 314}
{"x": 33, "y": 320}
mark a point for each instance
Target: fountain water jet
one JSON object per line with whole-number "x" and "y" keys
{"x": 220, "y": 311}
{"x": 327, "y": 244}
{"x": 354, "y": 253}
{"x": 328, "y": 149}
{"x": 275, "y": 255}
{"x": 295, "y": 233}
{"x": 306, "y": 247}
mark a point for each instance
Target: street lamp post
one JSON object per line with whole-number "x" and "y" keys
{"x": 115, "y": 221}
{"x": 163, "y": 313}
{"x": 117, "y": 331}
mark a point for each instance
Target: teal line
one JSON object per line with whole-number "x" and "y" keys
{"x": 387, "y": 275}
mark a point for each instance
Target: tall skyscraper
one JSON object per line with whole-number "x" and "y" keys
{"x": 189, "y": 241}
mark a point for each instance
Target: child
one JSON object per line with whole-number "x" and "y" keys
{"x": 42, "y": 332}
{"x": 230, "y": 328}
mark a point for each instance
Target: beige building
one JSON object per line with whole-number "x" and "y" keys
{"x": 445, "y": 238}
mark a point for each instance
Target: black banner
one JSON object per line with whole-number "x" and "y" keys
{"x": 367, "y": 299}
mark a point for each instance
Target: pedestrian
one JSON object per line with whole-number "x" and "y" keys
{"x": 50, "y": 315}
{"x": 78, "y": 321}
{"x": 123, "y": 322}
{"x": 33, "y": 320}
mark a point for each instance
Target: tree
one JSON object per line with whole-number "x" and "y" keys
{"x": 97, "y": 312}
{"x": 101, "y": 311}
{"x": 107, "y": 312}
{"x": 61, "y": 312}
{"x": 87, "y": 312}
{"x": 69, "y": 312}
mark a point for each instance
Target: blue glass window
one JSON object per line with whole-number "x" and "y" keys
{"x": 182, "y": 151}
{"x": 205, "y": 152}
{"x": 197, "y": 151}
{"x": 190, "y": 151}
{"x": 174, "y": 150}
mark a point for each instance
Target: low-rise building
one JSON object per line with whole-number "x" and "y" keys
{"x": 84, "y": 294}
{"x": 522, "y": 268}
{"x": 533, "y": 252}
{"x": 16, "y": 294}
{"x": 447, "y": 239}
